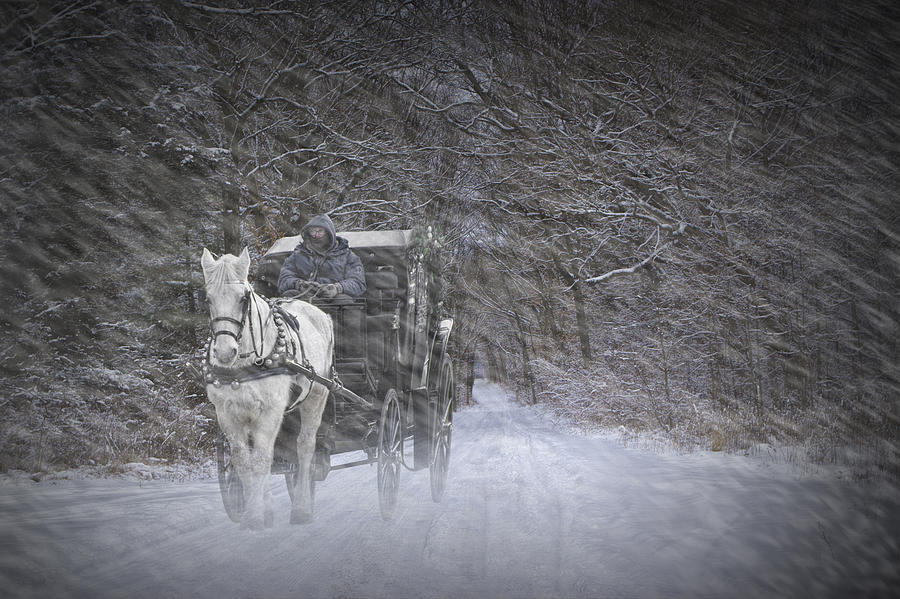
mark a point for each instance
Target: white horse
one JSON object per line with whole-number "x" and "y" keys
{"x": 249, "y": 340}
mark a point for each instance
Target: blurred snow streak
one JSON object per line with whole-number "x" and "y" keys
{"x": 682, "y": 221}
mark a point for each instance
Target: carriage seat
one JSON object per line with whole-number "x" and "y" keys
{"x": 362, "y": 328}
{"x": 382, "y": 290}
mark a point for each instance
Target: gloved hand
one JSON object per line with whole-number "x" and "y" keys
{"x": 309, "y": 288}
{"x": 330, "y": 290}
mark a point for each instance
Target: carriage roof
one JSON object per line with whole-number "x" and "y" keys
{"x": 377, "y": 241}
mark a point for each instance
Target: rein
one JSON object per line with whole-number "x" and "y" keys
{"x": 280, "y": 360}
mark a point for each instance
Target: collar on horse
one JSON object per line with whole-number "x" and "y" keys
{"x": 280, "y": 359}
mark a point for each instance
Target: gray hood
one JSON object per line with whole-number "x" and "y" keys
{"x": 323, "y": 221}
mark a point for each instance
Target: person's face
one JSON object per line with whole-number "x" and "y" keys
{"x": 317, "y": 235}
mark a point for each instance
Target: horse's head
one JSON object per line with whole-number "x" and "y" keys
{"x": 228, "y": 294}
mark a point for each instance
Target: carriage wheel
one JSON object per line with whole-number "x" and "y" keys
{"x": 230, "y": 484}
{"x": 390, "y": 454}
{"x": 441, "y": 431}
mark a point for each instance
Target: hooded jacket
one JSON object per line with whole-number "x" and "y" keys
{"x": 337, "y": 264}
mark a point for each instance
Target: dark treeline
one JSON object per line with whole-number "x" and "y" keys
{"x": 670, "y": 217}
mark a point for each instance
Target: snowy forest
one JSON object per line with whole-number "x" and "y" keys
{"x": 666, "y": 218}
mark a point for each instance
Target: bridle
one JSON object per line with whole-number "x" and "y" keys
{"x": 244, "y": 322}
{"x": 245, "y": 309}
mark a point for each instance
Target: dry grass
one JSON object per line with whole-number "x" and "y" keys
{"x": 822, "y": 433}
{"x": 97, "y": 415}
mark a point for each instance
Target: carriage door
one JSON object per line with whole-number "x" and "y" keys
{"x": 416, "y": 325}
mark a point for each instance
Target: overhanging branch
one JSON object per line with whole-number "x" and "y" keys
{"x": 631, "y": 269}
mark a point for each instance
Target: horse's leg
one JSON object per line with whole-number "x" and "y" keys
{"x": 266, "y": 456}
{"x": 260, "y": 442}
{"x": 242, "y": 461}
{"x": 268, "y": 435}
{"x": 310, "y": 417}
{"x": 235, "y": 429}
{"x": 268, "y": 512}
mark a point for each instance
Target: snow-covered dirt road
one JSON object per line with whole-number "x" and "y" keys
{"x": 530, "y": 511}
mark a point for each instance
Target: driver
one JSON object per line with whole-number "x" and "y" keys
{"x": 322, "y": 265}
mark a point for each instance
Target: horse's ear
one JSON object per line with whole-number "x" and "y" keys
{"x": 206, "y": 260}
{"x": 243, "y": 264}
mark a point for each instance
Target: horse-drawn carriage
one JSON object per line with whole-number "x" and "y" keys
{"x": 386, "y": 391}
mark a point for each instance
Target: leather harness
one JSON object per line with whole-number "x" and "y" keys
{"x": 279, "y": 361}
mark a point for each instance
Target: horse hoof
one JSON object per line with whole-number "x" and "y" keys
{"x": 298, "y": 517}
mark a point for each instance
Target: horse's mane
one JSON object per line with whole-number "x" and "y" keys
{"x": 225, "y": 270}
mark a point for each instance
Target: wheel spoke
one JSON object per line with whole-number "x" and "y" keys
{"x": 390, "y": 452}
{"x": 442, "y": 423}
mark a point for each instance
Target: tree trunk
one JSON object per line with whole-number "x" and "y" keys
{"x": 189, "y": 290}
{"x": 231, "y": 219}
{"x": 552, "y": 323}
{"x": 581, "y": 322}
{"x": 526, "y": 360}
{"x": 469, "y": 361}
{"x": 495, "y": 369}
